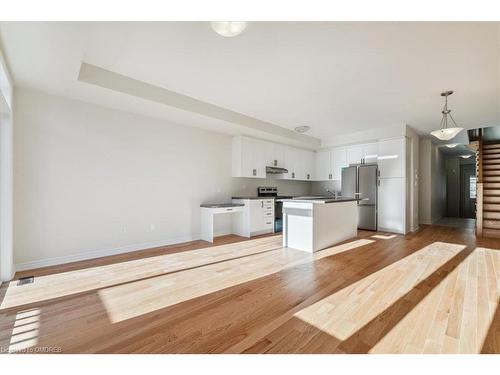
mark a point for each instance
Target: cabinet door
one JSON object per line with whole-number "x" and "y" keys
{"x": 256, "y": 154}
{"x": 339, "y": 161}
{"x": 267, "y": 153}
{"x": 256, "y": 214}
{"x": 354, "y": 154}
{"x": 279, "y": 155}
{"x": 391, "y": 204}
{"x": 391, "y": 158}
{"x": 310, "y": 169}
{"x": 370, "y": 152}
{"x": 247, "y": 155}
{"x": 323, "y": 169}
{"x": 290, "y": 163}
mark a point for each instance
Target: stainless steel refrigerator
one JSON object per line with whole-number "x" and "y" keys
{"x": 361, "y": 180}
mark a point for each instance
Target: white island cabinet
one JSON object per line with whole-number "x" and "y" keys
{"x": 311, "y": 224}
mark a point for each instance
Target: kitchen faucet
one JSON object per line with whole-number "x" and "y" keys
{"x": 332, "y": 193}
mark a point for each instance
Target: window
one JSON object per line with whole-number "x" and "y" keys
{"x": 472, "y": 187}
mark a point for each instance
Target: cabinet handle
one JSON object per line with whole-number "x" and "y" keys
{"x": 262, "y": 204}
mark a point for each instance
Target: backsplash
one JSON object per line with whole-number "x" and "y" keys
{"x": 320, "y": 187}
{"x": 248, "y": 186}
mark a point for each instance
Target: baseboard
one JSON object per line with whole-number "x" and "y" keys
{"x": 102, "y": 253}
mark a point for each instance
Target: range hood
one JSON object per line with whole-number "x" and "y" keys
{"x": 276, "y": 170}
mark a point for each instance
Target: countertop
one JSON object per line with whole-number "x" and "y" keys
{"x": 221, "y": 205}
{"x": 321, "y": 200}
{"x": 255, "y": 197}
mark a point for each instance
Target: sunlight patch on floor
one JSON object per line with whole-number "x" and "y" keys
{"x": 456, "y": 316}
{"x": 137, "y": 298}
{"x": 384, "y": 236}
{"x": 348, "y": 310}
{"x": 82, "y": 280}
{"x": 25, "y": 332}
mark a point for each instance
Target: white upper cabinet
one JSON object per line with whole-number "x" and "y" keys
{"x": 323, "y": 166}
{"x": 300, "y": 164}
{"x": 248, "y": 158}
{"x": 252, "y": 156}
{"x": 338, "y": 161}
{"x": 370, "y": 152}
{"x": 391, "y": 157}
{"x": 309, "y": 165}
{"x": 329, "y": 164}
{"x": 279, "y": 155}
{"x": 354, "y": 154}
{"x": 364, "y": 153}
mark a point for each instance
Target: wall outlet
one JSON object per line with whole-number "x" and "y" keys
{"x": 152, "y": 227}
{"x": 219, "y": 190}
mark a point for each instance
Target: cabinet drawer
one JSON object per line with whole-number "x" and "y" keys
{"x": 268, "y": 222}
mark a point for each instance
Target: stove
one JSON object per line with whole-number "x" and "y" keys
{"x": 272, "y": 192}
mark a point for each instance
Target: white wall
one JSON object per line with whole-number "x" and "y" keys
{"x": 432, "y": 183}
{"x": 438, "y": 184}
{"x": 6, "y": 184}
{"x": 413, "y": 171}
{"x": 90, "y": 180}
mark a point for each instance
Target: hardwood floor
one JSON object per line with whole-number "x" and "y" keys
{"x": 434, "y": 291}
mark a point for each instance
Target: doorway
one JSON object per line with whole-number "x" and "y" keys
{"x": 468, "y": 191}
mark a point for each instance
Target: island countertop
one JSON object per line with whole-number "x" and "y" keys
{"x": 322, "y": 200}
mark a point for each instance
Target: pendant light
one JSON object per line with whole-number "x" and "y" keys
{"x": 446, "y": 133}
{"x": 228, "y": 28}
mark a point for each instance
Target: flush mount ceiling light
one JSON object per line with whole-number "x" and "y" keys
{"x": 446, "y": 133}
{"x": 302, "y": 129}
{"x": 465, "y": 156}
{"x": 228, "y": 28}
{"x": 452, "y": 145}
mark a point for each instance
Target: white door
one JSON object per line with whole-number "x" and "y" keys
{"x": 391, "y": 158}
{"x": 339, "y": 161}
{"x": 391, "y": 205}
{"x": 323, "y": 169}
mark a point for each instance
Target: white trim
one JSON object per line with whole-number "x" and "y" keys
{"x": 102, "y": 253}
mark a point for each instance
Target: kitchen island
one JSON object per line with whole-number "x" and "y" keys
{"x": 312, "y": 224}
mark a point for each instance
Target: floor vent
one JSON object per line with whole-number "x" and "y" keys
{"x": 26, "y": 280}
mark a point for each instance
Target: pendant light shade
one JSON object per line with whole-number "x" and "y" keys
{"x": 228, "y": 28}
{"x": 446, "y": 132}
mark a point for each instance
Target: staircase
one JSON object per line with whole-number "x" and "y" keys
{"x": 489, "y": 165}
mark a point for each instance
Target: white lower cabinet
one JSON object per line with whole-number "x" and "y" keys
{"x": 257, "y": 217}
{"x": 392, "y": 205}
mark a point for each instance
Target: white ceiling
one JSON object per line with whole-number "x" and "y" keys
{"x": 337, "y": 77}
